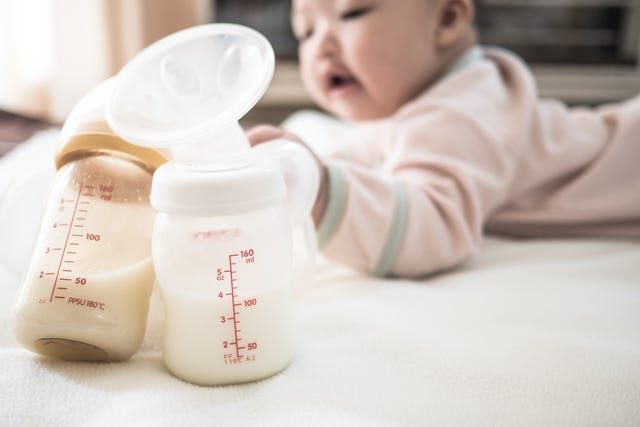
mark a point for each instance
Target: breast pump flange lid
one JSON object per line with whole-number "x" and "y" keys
{"x": 187, "y": 91}
{"x": 190, "y": 86}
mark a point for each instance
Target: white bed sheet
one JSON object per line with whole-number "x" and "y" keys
{"x": 535, "y": 332}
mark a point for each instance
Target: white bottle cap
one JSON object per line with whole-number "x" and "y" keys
{"x": 179, "y": 189}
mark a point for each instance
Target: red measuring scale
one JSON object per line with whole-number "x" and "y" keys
{"x": 237, "y": 348}
{"x": 73, "y": 234}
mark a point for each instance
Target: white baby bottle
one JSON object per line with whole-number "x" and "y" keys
{"x": 85, "y": 296}
{"x": 222, "y": 241}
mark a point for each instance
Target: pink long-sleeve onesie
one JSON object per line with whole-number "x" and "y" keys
{"x": 480, "y": 151}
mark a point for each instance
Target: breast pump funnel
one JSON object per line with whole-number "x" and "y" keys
{"x": 223, "y": 239}
{"x": 188, "y": 91}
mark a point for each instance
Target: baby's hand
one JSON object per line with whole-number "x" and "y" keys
{"x": 264, "y": 133}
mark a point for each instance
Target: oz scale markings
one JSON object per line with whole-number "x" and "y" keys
{"x": 234, "y": 304}
{"x": 64, "y": 258}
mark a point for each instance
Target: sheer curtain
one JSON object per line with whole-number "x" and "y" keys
{"x": 54, "y": 51}
{"x": 26, "y": 55}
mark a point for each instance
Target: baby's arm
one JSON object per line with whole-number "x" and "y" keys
{"x": 425, "y": 211}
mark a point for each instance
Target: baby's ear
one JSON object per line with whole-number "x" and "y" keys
{"x": 455, "y": 23}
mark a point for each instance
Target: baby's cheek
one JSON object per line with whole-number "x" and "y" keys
{"x": 308, "y": 78}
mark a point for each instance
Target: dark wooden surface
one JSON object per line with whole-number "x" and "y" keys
{"x": 15, "y": 129}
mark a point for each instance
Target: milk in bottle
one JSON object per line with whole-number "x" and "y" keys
{"x": 86, "y": 293}
{"x": 227, "y": 295}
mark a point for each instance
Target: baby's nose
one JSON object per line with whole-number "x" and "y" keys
{"x": 327, "y": 43}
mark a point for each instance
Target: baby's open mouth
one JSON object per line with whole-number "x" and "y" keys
{"x": 336, "y": 81}
{"x": 340, "y": 84}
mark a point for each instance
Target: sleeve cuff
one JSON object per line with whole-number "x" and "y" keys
{"x": 394, "y": 238}
{"x": 335, "y": 205}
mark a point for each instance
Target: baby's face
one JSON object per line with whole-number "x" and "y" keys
{"x": 363, "y": 59}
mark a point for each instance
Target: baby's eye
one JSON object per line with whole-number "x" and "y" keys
{"x": 304, "y": 35}
{"x": 355, "y": 13}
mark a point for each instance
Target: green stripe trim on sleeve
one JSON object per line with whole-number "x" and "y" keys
{"x": 335, "y": 205}
{"x": 394, "y": 238}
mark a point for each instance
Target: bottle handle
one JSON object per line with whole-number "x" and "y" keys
{"x": 297, "y": 165}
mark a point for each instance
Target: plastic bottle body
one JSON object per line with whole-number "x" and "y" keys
{"x": 226, "y": 285}
{"x": 87, "y": 289}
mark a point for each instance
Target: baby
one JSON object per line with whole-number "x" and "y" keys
{"x": 455, "y": 140}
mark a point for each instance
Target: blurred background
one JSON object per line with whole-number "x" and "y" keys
{"x": 54, "y": 51}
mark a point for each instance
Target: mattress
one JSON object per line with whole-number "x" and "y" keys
{"x": 527, "y": 332}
